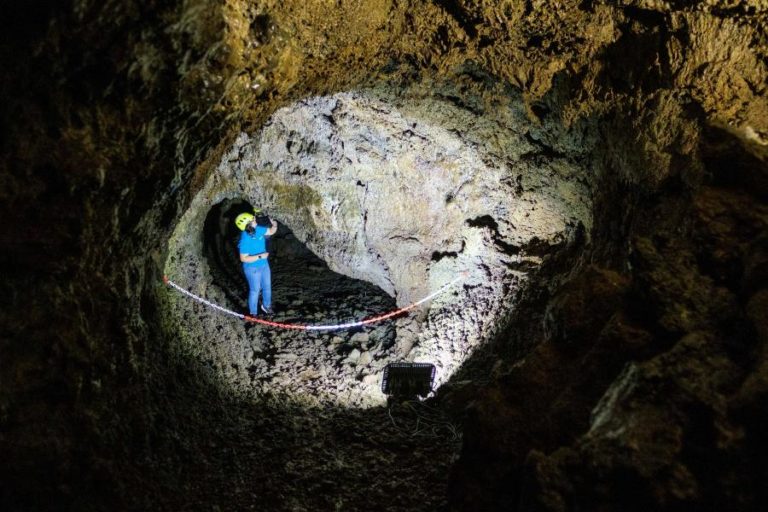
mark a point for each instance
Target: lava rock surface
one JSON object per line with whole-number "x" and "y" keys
{"x": 115, "y": 118}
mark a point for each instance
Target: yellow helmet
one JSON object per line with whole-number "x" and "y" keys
{"x": 242, "y": 220}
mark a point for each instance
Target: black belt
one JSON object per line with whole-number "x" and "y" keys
{"x": 261, "y": 256}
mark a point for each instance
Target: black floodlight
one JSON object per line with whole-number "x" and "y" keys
{"x": 408, "y": 379}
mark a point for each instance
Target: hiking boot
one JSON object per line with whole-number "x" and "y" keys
{"x": 267, "y": 311}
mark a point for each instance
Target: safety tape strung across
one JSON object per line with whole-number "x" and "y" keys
{"x": 305, "y": 327}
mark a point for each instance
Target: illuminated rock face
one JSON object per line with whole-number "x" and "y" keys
{"x": 406, "y": 193}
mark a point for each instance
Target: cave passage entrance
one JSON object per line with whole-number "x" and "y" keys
{"x": 304, "y": 289}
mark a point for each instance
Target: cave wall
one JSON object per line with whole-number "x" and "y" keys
{"x": 116, "y": 112}
{"x": 403, "y": 189}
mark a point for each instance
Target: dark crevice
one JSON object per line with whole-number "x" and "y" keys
{"x": 486, "y": 221}
{"x": 539, "y": 109}
{"x": 640, "y": 54}
{"x": 731, "y": 166}
{"x": 535, "y": 41}
{"x": 439, "y": 255}
{"x": 587, "y": 5}
{"x": 645, "y": 16}
{"x": 261, "y": 28}
{"x": 543, "y": 151}
{"x": 467, "y": 22}
{"x": 220, "y": 236}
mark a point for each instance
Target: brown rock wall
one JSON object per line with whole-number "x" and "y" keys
{"x": 110, "y": 108}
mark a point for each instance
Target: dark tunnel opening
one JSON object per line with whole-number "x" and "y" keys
{"x": 220, "y": 236}
{"x": 304, "y": 288}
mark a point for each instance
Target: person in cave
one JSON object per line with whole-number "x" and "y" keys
{"x": 254, "y": 256}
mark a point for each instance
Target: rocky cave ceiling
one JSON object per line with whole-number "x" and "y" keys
{"x": 599, "y": 170}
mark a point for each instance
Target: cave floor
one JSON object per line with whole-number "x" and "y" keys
{"x": 341, "y": 367}
{"x": 275, "y": 456}
{"x": 299, "y": 443}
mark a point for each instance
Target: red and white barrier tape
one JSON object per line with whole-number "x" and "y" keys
{"x": 305, "y": 327}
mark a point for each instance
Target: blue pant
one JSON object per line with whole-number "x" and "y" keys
{"x": 259, "y": 277}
